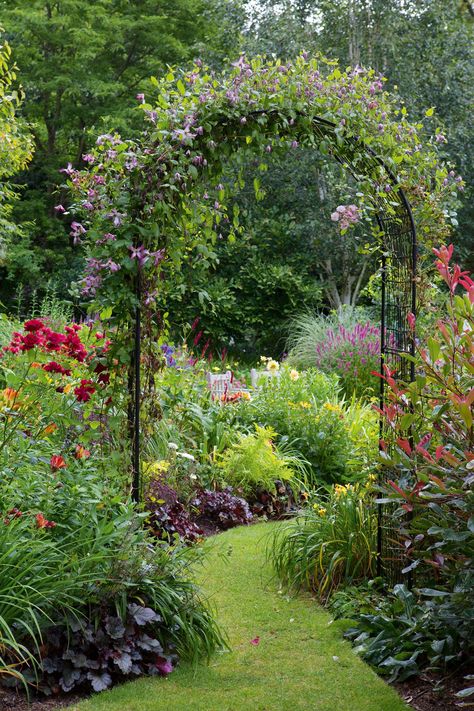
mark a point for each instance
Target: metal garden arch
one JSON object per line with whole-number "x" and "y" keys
{"x": 398, "y": 268}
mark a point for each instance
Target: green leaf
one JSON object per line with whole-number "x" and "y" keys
{"x": 430, "y": 112}
{"x": 106, "y": 313}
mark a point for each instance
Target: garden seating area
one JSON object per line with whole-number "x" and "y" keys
{"x": 236, "y": 357}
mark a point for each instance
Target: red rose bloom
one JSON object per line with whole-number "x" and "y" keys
{"x": 53, "y": 367}
{"x": 85, "y": 390}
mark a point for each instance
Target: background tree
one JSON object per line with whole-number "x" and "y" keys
{"x": 15, "y": 145}
{"x": 423, "y": 47}
{"x": 82, "y": 64}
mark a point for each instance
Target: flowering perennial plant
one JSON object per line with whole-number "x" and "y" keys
{"x": 353, "y": 353}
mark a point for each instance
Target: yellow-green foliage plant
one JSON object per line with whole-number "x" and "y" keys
{"x": 255, "y": 463}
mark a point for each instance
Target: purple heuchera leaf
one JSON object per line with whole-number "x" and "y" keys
{"x": 124, "y": 662}
{"x": 143, "y": 615}
{"x": 100, "y": 682}
{"x": 115, "y": 627}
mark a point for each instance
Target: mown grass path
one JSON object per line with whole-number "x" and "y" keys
{"x": 300, "y": 663}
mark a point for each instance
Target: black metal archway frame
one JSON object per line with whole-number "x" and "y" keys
{"x": 398, "y": 269}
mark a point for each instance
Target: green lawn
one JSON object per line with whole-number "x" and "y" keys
{"x": 301, "y": 662}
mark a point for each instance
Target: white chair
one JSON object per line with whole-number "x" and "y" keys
{"x": 220, "y": 383}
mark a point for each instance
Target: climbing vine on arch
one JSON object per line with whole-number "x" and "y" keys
{"x": 150, "y": 204}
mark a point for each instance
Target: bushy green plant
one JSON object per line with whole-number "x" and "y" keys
{"x": 430, "y": 430}
{"x": 71, "y": 543}
{"x": 305, "y": 411}
{"x": 407, "y": 631}
{"x": 427, "y": 450}
{"x": 254, "y": 463}
{"x": 331, "y": 543}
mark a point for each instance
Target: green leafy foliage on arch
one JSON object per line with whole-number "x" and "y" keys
{"x": 153, "y": 203}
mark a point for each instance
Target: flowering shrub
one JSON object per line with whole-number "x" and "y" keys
{"x": 71, "y": 545}
{"x": 306, "y": 414}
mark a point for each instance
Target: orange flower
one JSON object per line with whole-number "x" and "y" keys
{"x": 43, "y": 522}
{"x": 9, "y": 395}
{"x": 81, "y": 452}
{"x": 50, "y": 428}
{"x": 57, "y": 462}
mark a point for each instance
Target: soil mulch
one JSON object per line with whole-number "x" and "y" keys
{"x": 17, "y": 701}
{"x": 429, "y": 692}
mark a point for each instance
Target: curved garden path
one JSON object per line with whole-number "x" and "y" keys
{"x": 301, "y": 662}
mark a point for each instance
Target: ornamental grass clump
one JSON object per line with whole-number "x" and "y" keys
{"x": 332, "y": 543}
{"x": 347, "y": 344}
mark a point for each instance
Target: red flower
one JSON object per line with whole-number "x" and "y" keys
{"x": 53, "y": 367}
{"x": 53, "y": 339}
{"x": 31, "y": 340}
{"x": 84, "y": 391}
{"x": 57, "y": 462}
{"x": 33, "y": 325}
{"x": 42, "y": 522}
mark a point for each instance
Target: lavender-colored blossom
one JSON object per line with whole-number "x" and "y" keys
{"x": 77, "y": 229}
{"x": 88, "y": 158}
{"x": 59, "y": 209}
{"x": 69, "y": 170}
{"x": 116, "y": 217}
{"x": 140, "y": 254}
{"x": 140, "y": 98}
